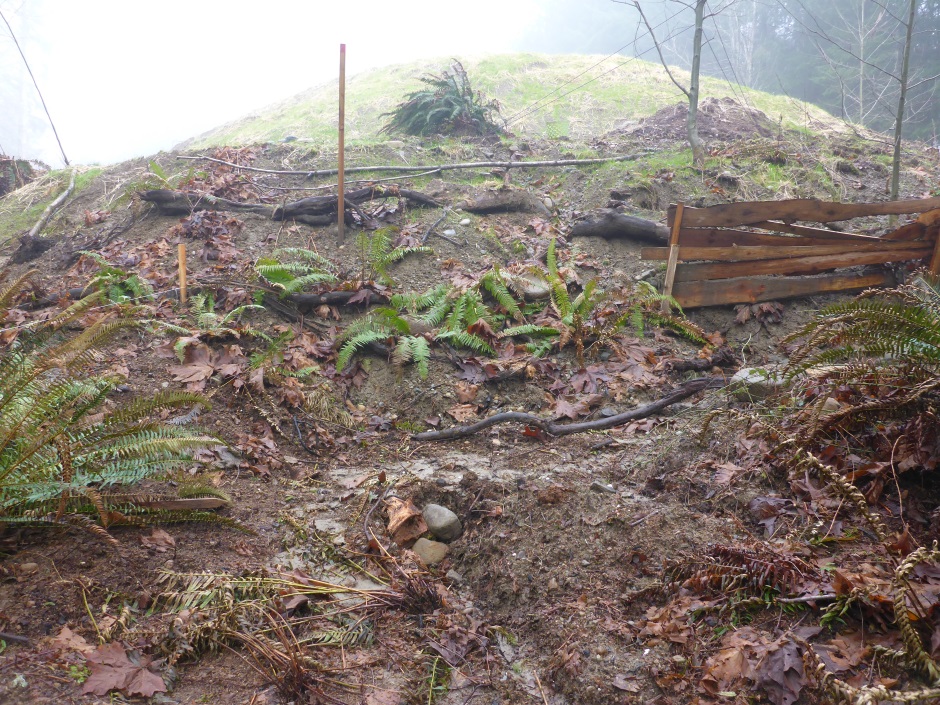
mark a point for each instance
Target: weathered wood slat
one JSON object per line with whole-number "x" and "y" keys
{"x": 754, "y": 289}
{"x": 806, "y": 231}
{"x": 900, "y": 251}
{"x": 736, "y": 214}
{"x": 722, "y": 237}
{"x": 793, "y": 266}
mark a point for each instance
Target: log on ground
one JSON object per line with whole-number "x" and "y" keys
{"x": 610, "y": 224}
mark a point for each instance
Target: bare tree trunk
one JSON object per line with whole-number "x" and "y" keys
{"x": 899, "y": 120}
{"x": 698, "y": 147}
{"x": 695, "y": 142}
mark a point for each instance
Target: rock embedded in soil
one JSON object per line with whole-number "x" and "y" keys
{"x": 442, "y": 522}
{"x": 754, "y": 383}
{"x": 430, "y": 552}
{"x": 599, "y": 486}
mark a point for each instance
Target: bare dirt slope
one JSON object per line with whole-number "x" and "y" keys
{"x": 554, "y": 592}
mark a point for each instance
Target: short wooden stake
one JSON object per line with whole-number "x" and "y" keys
{"x": 181, "y": 251}
{"x": 341, "y": 205}
{"x": 665, "y": 307}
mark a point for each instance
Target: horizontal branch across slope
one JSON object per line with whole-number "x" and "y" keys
{"x": 433, "y": 168}
{"x": 684, "y": 391}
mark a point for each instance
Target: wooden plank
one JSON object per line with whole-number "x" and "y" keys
{"x": 735, "y": 214}
{"x": 819, "y": 233}
{"x": 909, "y": 250}
{"x": 753, "y": 289}
{"x": 723, "y": 237}
{"x": 793, "y": 266}
{"x": 665, "y": 306}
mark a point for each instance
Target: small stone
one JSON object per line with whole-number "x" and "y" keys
{"x": 442, "y": 522}
{"x": 450, "y": 231}
{"x": 465, "y": 222}
{"x": 599, "y": 486}
{"x": 831, "y": 405}
{"x": 608, "y": 411}
{"x": 548, "y": 203}
{"x": 454, "y": 577}
{"x": 430, "y": 552}
{"x": 552, "y": 584}
{"x": 753, "y": 383}
{"x": 28, "y": 568}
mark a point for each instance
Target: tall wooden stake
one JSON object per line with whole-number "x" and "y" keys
{"x": 181, "y": 251}
{"x": 341, "y": 215}
{"x": 673, "y": 257}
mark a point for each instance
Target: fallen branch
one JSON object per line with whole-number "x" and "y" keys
{"x": 306, "y": 209}
{"x": 433, "y": 168}
{"x": 52, "y": 207}
{"x": 610, "y": 224}
{"x": 685, "y": 391}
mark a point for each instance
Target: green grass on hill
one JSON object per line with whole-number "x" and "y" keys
{"x": 624, "y": 90}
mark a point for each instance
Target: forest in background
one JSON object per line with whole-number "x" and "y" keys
{"x": 843, "y": 55}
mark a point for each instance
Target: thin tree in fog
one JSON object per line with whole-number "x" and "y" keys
{"x": 692, "y": 92}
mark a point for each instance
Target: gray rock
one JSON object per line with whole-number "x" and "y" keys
{"x": 442, "y": 522}
{"x": 454, "y": 577}
{"x": 599, "y": 486}
{"x": 430, "y": 552}
{"x": 753, "y": 383}
{"x": 465, "y": 222}
{"x": 450, "y": 231}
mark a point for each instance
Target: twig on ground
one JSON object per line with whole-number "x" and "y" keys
{"x": 683, "y": 392}
{"x": 436, "y": 223}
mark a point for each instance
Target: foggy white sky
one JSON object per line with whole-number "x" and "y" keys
{"x": 125, "y": 78}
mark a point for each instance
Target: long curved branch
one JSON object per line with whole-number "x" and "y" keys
{"x": 684, "y": 391}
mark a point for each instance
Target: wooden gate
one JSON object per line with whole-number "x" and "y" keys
{"x": 749, "y": 252}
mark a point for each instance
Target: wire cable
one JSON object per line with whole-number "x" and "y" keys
{"x": 539, "y": 108}
{"x": 535, "y": 107}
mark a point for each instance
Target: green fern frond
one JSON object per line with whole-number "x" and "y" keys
{"x": 15, "y": 287}
{"x": 493, "y": 282}
{"x": 464, "y": 339}
{"x": 412, "y": 348}
{"x": 304, "y": 254}
{"x": 529, "y": 329}
{"x": 356, "y": 343}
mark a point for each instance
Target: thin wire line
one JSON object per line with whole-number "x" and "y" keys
{"x": 41, "y": 99}
{"x": 599, "y": 76}
{"x": 535, "y": 107}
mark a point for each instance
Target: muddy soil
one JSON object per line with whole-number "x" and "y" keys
{"x": 563, "y": 543}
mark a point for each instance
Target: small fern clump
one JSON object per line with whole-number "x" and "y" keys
{"x": 378, "y": 252}
{"x": 385, "y": 326}
{"x": 118, "y": 286}
{"x": 589, "y": 319}
{"x": 448, "y": 106}
{"x": 897, "y": 330}
{"x": 444, "y": 314}
{"x": 293, "y": 269}
{"x": 60, "y": 461}
{"x": 211, "y": 324}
